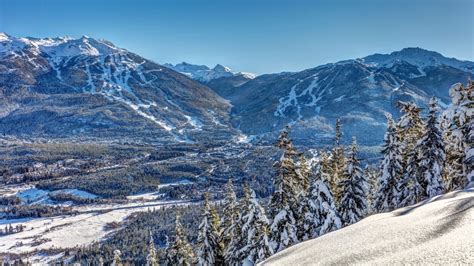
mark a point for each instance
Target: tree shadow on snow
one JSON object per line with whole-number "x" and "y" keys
{"x": 409, "y": 209}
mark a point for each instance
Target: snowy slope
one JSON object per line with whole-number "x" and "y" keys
{"x": 358, "y": 91}
{"x": 440, "y": 231}
{"x": 206, "y": 74}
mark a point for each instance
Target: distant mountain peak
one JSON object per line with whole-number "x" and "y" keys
{"x": 221, "y": 68}
{"x": 418, "y": 57}
{"x": 204, "y": 73}
{"x": 56, "y": 47}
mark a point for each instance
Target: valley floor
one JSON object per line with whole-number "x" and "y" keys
{"x": 439, "y": 231}
{"x": 90, "y": 224}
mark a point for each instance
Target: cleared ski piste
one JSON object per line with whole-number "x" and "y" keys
{"x": 70, "y": 231}
{"x": 438, "y": 231}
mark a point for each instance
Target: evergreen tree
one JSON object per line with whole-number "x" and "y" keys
{"x": 237, "y": 241}
{"x": 455, "y": 123}
{"x": 319, "y": 213}
{"x": 468, "y": 105}
{"x": 209, "y": 250}
{"x": 353, "y": 205}
{"x": 283, "y": 200}
{"x": 410, "y": 129}
{"x": 232, "y": 253}
{"x": 303, "y": 172}
{"x": 372, "y": 176}
{"x": 338, "y": 162}
{"x": 230, "y": 214}
{"x": 410, "y": 190}
{"x": 391, "y": 169}
{"x": 432, "y": 154}
{"x": 151, "y": 257}
{"x": 179, "y": 252}
{"x": 117, "y": 258}
{"x": 255, "y": 229}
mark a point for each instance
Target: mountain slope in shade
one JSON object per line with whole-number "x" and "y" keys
{"x": 358, "y": 91}
{"x": 439, "y": 231}
{"x": 64, "y": 87}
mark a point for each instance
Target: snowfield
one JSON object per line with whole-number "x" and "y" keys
{"x": 439, "y": 231}
{"x": 70, "y": 231}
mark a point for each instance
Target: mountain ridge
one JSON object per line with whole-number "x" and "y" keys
{"x": 130, "y": 90}
{"x": 103, "y": 83}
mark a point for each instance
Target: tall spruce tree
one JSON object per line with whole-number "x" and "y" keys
{"x": 230, "y": 214}
{"x": 180, "y": 251}
{"x": 283, "y": 201}
{"x": 151, "y": 259}
{"x": 209, "y": 249}
{"x": 372, "y": 175}
{"x": 338, "y": 162}
{"x": 468, "y": 105}
{"x": 303, "y": 172}
{"x": 232, "y": 253}
{"x": 353, "y": 205}
{"x": 454, "y": 122}
{"x": 318, "y": 208}
{"x": 255, "y": 229}
{"x": 432, "y": 154}
{"x": 390, "y": 168}
{"x": 411, "y": 128}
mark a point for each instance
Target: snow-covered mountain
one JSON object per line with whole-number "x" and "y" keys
{"x": 358, "y": 91}
{"x": 438, "y": 231}
{"x": 205, "y": 74}
{"x": 417, "y": 57}
{"x": 67, "y": 87}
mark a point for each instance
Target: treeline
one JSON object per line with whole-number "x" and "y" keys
{"x": 9, "y": 229}
{"x": 24, "y": 211}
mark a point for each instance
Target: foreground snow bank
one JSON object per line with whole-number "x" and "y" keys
{"x": 438, "y": 231}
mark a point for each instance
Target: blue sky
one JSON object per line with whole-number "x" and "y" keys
{"x": 260, "y": 36}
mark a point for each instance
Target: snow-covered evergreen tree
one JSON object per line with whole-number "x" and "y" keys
{"x": 390, "y": 168}
{"x": 209, "y": 249}
{"x": 151, "y": 259}
{"x": 117, "y": 258}
{"x": 410, "y": 130}
{"x": 432, "y": 154}
{"x": 372, "y": 175}
{"x": 230, "y": 214}
{"x": 179, "y": 252}
{"x": 232, "y": 254}
{"x": 338, "y": 162}
{"x": 468, "y": 105}
{"x": 455, "y": 123}
{"x": 353, "y": 205}
{"x": 303, "y": 172}
{"x": 409, "y": 189}
{"x": 283, "y": 201}
{"x": 318, "y": 208}
{"x": 255, "y": 229}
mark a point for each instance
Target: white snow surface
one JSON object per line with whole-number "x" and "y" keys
{"x": 438, "y": 231}
{"x": 69, "y": 231}
{"x": 156, "y": 194}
